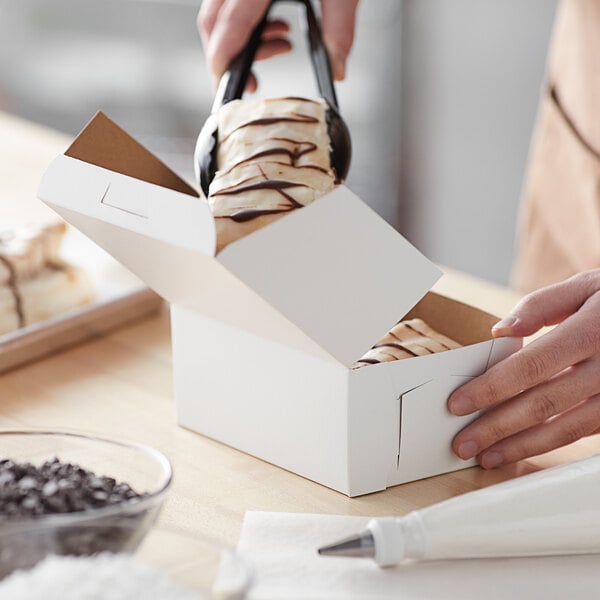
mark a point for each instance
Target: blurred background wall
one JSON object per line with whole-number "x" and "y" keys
{"x": 472, "y": 71}
{"x": 440, "y": 99}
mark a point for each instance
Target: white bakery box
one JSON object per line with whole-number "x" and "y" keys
{"x": 264, "y": 334}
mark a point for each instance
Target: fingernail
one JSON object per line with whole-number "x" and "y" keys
{"x": 507, "y": 323}
{"x": 461, "y": 405}
{"x": 338, "y": 68}
{"x": 337, "y": 60}
{"x": 467, "y": 449}
{"x": 491, "y": 459}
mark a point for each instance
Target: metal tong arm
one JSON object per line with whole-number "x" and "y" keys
{"x": 234, "y": 80}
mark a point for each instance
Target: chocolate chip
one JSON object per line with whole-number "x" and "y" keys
{"x": 100, "y": 497}
{"x": 96, "y": 483}
{"x": 50, "y": 488}
{"x": 27, "y": 483}
{"x": 6, "y": 476}
{"x": 30, "y": 503}
{"x": 55, "y": 504}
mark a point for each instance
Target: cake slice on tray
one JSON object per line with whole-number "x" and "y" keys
{"x": 35, "y": 283}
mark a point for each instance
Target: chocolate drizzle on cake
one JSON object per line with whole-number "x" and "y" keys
{"x": 294, "y": 155}
{"x": 402, "y": 345}
{"x": 247, "y": 214}
{"x": 420, "y": 333}
{"x": 273, "y": 152}
{"x": 268, "y": 184}
{"x": 294, "y": 118}
{"x": 369, "y": 361}
{"x": 14, "y": 289}
{"x": 299, "y": 99}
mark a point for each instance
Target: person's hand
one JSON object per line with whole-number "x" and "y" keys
{"x": 546, "y": 395}
{"x": 225, "y": 27}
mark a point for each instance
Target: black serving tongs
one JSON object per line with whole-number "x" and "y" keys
{"x": 232, "y": 85}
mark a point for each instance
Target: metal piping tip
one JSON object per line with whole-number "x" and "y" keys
{"x": 361, "y": 546}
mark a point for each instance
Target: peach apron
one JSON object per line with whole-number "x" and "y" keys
{"x": 559, "y": 229}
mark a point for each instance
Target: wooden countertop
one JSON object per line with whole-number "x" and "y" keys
{"x": 120, "y": 386}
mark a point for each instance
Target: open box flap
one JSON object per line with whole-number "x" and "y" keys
{"x": 130, "y": 203}
{"x": 106, "y": 175}
{"x": 164, "y": 237}
{"x": 335, "y": 269}
{"x": 104, "y": 144}
{"x": 170, "y": 227}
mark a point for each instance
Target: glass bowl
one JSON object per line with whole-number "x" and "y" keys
{"x": 195, "y": 562}
{"x": 120, "y": 527}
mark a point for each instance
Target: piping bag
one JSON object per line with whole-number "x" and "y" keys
{"x": 555, "y": 511}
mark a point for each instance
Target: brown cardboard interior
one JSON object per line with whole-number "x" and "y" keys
{"x": 104, "y": 144}
{"x": 460, "y": 322}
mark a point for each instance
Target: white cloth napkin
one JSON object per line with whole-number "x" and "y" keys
{"x": 282, "y": 548}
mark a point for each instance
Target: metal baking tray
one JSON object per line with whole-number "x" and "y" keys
{"x": 120, "y": 299}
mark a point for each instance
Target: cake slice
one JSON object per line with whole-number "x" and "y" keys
{"x": 25, "y": 251}
{"x": 35, "y": 283}
{"x": 273, "y": 158}
{"x": 406, "y": 340}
